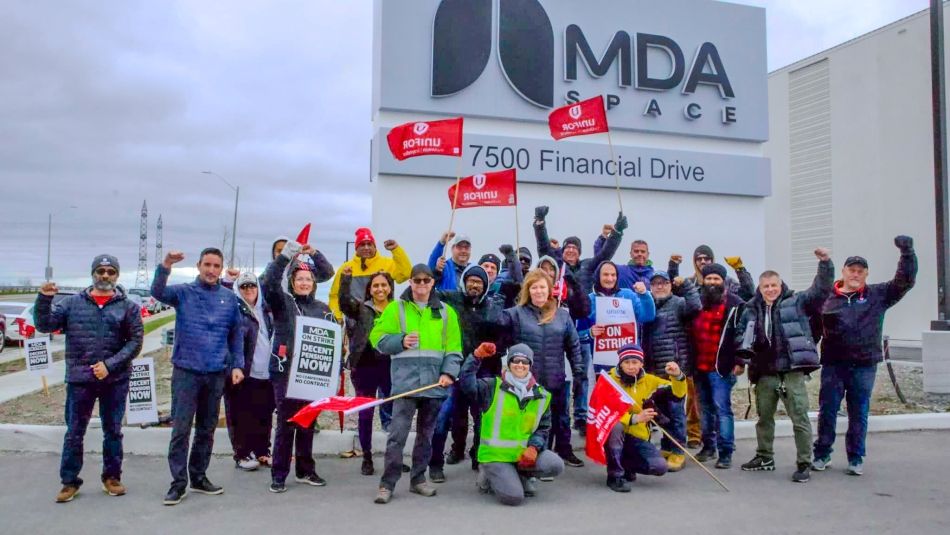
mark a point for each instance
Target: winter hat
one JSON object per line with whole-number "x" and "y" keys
{"x": 105, "y": 260}
{"x": 364, "y": 234}
{"x": 521, "y": 350}
{"x": 245, "y": 278}
{"x": 704, "y": 250}
{"x": 630, "y": 351}
{"x": 273, "y": 246}
{"x": 476, "y": 270}
{"x": 714, "y": 269}
{"x": 573, "y": 240}
{"x": 493, "y": 258}
{"x": 524, "y": 252}
{"x": 420, "y": 269}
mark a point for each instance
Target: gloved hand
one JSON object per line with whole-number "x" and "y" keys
{"x": 528, "y": 458}
{"x": 291, "y": 249}
{"x": 484, "y": 350}
{"x": 904, "y": 243}
{"x": 540, "y": 212}
{"x": 621, "y": 223}
{"x": 735, "y": 262}
{"x": 506, "y": 250}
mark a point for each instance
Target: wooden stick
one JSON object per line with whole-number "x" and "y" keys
{"x": 45, "y": 385}
{"x": 690, "y": 455}
{"x": 617, "y": 174}
{"x": 390, "y": 398}
{"x": 517, "y": 236}
{"x": 458, "y": 180}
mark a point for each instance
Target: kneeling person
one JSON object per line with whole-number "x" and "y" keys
{"x": 628, "y": 449}
{"x": 516, "y": 419}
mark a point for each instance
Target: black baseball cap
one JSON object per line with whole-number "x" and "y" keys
{"x": 860, "y": 260}
{"x": 421, "y": 269}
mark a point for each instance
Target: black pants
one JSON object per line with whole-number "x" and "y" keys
{"x": 195, "y": 397}
{"x": 290, "y": 436}
{"x": 249, "y": 411}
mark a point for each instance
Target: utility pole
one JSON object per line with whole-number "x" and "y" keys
{"x": 938, "y": 99}
{"x": 141, "y": 276}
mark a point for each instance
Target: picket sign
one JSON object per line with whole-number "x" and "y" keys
{"x": 315, "y": 364}
{"x": 142, "y": 402}
{"x": 617, "y": 316}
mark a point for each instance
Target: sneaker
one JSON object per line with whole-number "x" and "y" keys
{"x": 423, "y": 489}
{"x": 694, "y": 444}
{"x": 618, "y": 484}
{"x": 67, "y": 493}
{"x": 406, "y": 469}
{"x": 530, "y": 486}
{"x": 706, "y": 454}
{"x": 629, "y": 476}
{"x": 581, "y": 427}
{"x": 724, "y": 462}
{"x": 248, "y": 464}
{"x": 803, "y": 473}
{"x": 759, "y": 464}
{"x": 277, "y": 487}
{"x": 383, "y": 495}
{"x": 821, "y": 463}
{"x": 311, "y": 479}
{"x": 367, "y": 469}
{"x": 113, "y": 487}
{"x": 546, "y": 479}
{"x": 175, "y": 495}
{"x": 436, "y": 475}
{"x": 454, "y": 457}
{"x": 204, "y": 486}
{"x": 855, "y": 468}
{"x": 675, "y": 462}
{"x": 571, "y": 460}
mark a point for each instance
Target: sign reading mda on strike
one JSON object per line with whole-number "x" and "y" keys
{"x": 39, "y": 357}
{"x": 315, "y": 368}
{"x": 142, "y": 406}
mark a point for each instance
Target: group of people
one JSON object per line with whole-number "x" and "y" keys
{"x": 506, "y": 340}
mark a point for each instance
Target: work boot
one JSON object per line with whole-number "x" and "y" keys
{"x": 113, "y": 487}
{"x": 759, "y": 464}
{"x": 423, "y": 489}
{"x": 572, "y": 460}
{"x": 383, "y": 495}
{"x": 618, "y": 484}
{"x": 367, "y": 469}
{"x": 694, "y": 444}
{"x": 708, "y": 453}
{"x": 67, "y": 493}
{"x": 675, "y": 462}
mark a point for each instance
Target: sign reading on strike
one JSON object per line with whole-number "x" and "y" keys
{"x": 39, "y": 356}
{"x": 489, "y": 189}
{"x": 142, "y": 407}
{"x": 620, "y": 328}
{"x": 315, "y": 369}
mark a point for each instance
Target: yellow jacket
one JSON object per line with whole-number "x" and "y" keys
{"x": 398, "y": 267}
{"x": 645, "y": 386}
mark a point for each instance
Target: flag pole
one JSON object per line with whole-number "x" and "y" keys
{"x": 610, "y": 144}
{"x": 517, "y": 233}
{"x": 455, "y": 198}
{"x": 390, "y": 398}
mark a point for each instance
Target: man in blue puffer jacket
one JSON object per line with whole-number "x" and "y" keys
{"x": 209, "y": 349}
{"x": 103, "y": 334}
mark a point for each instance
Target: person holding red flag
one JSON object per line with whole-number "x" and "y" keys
{"x": 286, "y": 305}
{"x": 629, "y": 451}
{"x": 516, "y": 412}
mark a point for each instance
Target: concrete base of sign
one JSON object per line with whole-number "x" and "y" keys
{"x": 936, "y": 357}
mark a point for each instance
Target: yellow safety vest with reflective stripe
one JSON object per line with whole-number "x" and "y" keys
{"x": 506, "y": 427}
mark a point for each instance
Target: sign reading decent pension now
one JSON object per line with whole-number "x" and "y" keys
{"x": 575, "y": 163}
{"x": 315, "y": 370}
{"x": 39, "y": 357}
{"x": 142, "y": 407}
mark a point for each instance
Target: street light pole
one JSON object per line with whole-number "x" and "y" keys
{"x": 49, "y": 241}
{"x": 237, "y": 193}
{"x": 348, "y": 249}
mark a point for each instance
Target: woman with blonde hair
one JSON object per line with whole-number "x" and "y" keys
{"x": 548, "y": 330}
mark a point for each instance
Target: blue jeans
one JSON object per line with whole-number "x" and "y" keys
{"x": 627, "y": 453}
{"x": 854, "y": 384}
{"x": 195, "y": 397}
{"x": 80, "y": 398}
{"x": 676, "y": 427}
{"x": 581, "y": 386}
{"x": 715, "y": 401}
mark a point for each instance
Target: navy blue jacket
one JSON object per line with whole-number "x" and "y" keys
{"x": 111, "y": 334}
{"x": 208, "y": 333}
{"x": 583, "y": 271}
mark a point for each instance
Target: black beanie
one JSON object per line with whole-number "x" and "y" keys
{"x": 524, "y": 252}
{"x": 714, "y": 269}
{"x": 490, "y": 258}
{"x": 704, "y": 250}
{"x": 573, "y": 240}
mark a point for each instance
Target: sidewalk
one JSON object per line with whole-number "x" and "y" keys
{"x": 19, "y": 384}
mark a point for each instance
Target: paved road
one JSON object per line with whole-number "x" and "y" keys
{"x": 904, "y": 490}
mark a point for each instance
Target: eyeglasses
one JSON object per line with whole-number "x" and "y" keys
{"x": 519, "y": 360}
{"x": 109, "y": 272}
{"x": 423, "y": 280}
{"x": 247, "y": 286}
{"x": 703, "y": 258}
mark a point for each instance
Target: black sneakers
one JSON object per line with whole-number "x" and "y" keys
{"x": 174, "y": 496}
{"x": 367, "y": 469}
{"x": 311, "y": 479}
{"x": 803, "y": 473}
{"x": 436, "y": 475}
{"x": 706, "y": 454}
{"x": 206, "y": 487}
{"x": 618, "y": 484}
{"x": 454, "y": 457}
{"x": 277, "y": 487}
{"x": 571, "y": 460}
{"x": 759, "y": 464}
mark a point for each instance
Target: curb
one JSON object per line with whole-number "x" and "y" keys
{"x": 331, "y": 443}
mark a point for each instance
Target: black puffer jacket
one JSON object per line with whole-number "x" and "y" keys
{"x": 111, "y": 334}
{"x": 549, "y": 342}
{"x": 478, "y": 317}
{"x": 360, "y": 316}
{"x": 666, "y": 338}
{"x": 583, "y": 271}
{"x": 790, "y": 345}
{"x": 285, "y": 309}
{"x": 854, "y": 322}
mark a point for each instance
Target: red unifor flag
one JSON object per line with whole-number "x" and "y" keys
{"x": 426, "y": 138}
{"x": 304, "y": 236}
{"x": 490, "y": 189}
{"x": 585, "y": 117}
{"x": 608, "y": 403}
{"x": 308, "y": 414}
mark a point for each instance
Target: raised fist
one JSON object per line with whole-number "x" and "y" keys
{"x": 676, "y": 259}
{"x": 446, "y": 236}
{"x": 233, "y": 273}
{"x": 49, "y": 289}
{"x": 621, "y": 223}
{"x": 605, "y": 232}
{"x": 173, "y": 257}
{"x": 823, "y": 253}
{"x": 347, "y": 270}
{"x": 904, "y": 243}
{"x": 484, "y": 350}
{"x": 540, "y": 212}
{"x": 390, "y": 244}
{"x": 639, "y": 287}
{"x": 506, "y": 250}
{"x": 735, "y": 262}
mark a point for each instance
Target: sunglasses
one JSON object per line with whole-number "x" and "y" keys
{"x": 247, "y": 286}
{"x": 424, "y": 280}
{"x": 703, "y": 258}
{"x": 520, "y": 360}
{"x": 109, "y": 272}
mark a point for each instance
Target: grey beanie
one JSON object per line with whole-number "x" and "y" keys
{"x": 521, "y": 350}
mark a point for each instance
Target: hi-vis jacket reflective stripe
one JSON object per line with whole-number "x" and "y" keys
{"x": 506, "y": 427}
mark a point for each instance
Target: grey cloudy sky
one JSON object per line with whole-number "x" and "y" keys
{"x": 104, "y": 104}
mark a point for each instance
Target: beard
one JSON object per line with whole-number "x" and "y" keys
{"x": 712, "y": 294}
{"x": 103, "y": 285}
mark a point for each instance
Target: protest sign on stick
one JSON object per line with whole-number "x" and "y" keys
{"x": 315, "y": 365}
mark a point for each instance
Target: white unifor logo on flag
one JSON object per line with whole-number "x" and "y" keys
{"x": 420, "y": 128}
{"x": 575, "y": 111}
{"x": 479, "y": 181}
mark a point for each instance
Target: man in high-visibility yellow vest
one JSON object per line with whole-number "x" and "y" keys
{"x": 516, "y": 419}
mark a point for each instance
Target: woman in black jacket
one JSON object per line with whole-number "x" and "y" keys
{"x": 369, "y": 369}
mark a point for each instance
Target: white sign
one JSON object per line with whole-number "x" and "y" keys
{"x": 614, "y": 310}
{"x": 616, "y": 315}
{"x": 315, "y": 368}
{"x": 142, "y": 405}
{"x": 39, "y": 356}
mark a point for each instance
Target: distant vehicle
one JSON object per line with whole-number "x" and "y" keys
{"x": 3, "y": 330}
{"x": 144, "y": 298}
{"x": 20, "y": 318}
